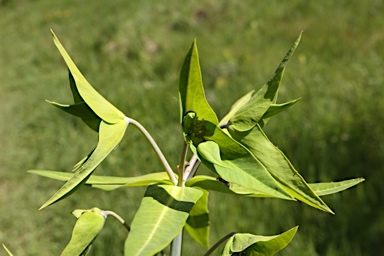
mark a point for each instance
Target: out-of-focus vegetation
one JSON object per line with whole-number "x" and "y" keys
{"x": 131, "y": 51}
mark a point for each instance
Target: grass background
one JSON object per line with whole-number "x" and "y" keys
{"x": 132, "y": 51}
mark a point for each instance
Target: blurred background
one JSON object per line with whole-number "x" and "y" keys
{"x": 132, "y": 52}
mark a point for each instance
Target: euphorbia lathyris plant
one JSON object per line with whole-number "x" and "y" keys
{"x": 242, "y": 159}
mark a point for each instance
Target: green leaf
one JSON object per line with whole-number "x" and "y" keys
{"x": 198, "y": 221}
{"x": 251, "y": 112}
{"x": 275, "y": 109}
{"x": 81, "y": 110}
{"x": 236, "y": 106}
{"x": 109, "y": 182}
{"x": 279, "y": 166}
{"x": 109, "y": 137}
{"x": 103, "y": 108}
{"x": 254, "y": 245}
{"x": 191, "y": 91}
{"x": 208, "y": 183}
{"x": 328, "y": 188}
{"x": 7, "y": 250}
{"x": 88, "y": 226}
{"x": 235, "y": 164}
{"x": 160, "y": 218}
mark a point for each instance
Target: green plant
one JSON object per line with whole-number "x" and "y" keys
{"x": 235, "y": 149}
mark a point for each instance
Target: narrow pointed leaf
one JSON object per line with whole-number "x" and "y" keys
{"x": 162, "y": 214}
{"x": 88, "y": 226}
{"x": 198, "y": 221}
{"x": 109, "y": 182}
{"x": 238, "y": 165}
{"x": 275, "y": 109}
{"x": 279, "y": 166}
{"x": 7, "y": 250}
{"x": 249, "y": 244}
{"x": 251, "y": 113}
{"x": 103, "y": 108}
{"x": 328, "y": 188}
{"x": 81, "y": 110}
{"x": 236, "y": 106}
{"x": 191, "y": 91}
{"x": 109, "y": 137}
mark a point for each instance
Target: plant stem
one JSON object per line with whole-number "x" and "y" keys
{"x": 164, "y": 161}
{"x": 181, "y": 166}
{"x": 222, "y": 240}
{"x": 121, "y": 220}
{"x": 176, "y": 244}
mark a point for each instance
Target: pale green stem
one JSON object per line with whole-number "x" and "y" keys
{"x": 164, "y": 161}
{"x": 176, "y": 245}
{"x": 181, "y": 167}
{"x": 121, "y": 220}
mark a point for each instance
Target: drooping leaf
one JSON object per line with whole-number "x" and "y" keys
{"x": 328, "y": 188}
{"x": 103, "y": 108}
{"x": 88, "y": 226}
{"x": 7, "y": 250}
{"x": 235, "y": 164}
{"x": 254, "y": 245}
{"x": 110, "y": 136}
{"x": 251, "y": 113}
{"x": 279, "y": 166}
{"x": 81, "y": 110}
{"x": 191, "y": 91}
{"x": 109, "y": 182}
{"x": 198, "y": 221}
{"x": 162, "y": 214}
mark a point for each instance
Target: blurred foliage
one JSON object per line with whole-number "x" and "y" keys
{"x": 132, "y": 51}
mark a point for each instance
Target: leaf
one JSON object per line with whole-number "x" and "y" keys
{"x": 198, "y": 221}
{"x": 237, "y": 165}
{"x": 88, "y": 226}
{"x": 328, "y": 188}
{"x": 208, "y": 183}
{"x": 109, "y": 182}
{"x": 81, "y": 110}
{"x": 275, "y": 109}
{"x": 249, "y": 244}
{"x": 109, "y": 137}
{"x": 160, "y": 218}
{"x": 103, "y": 108}
{"x": 251, "y": 113}
{"x": 7, "y": 250}
{"x": 279, "y": 166}
{"x": 191, "y": 91}
{"x": 236, "y": 106}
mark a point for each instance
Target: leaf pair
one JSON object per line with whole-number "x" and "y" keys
{"x": 98, "y": 114}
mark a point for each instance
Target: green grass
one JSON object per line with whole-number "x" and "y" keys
{"x": 132, "y": 53}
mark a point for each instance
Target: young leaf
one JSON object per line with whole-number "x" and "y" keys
{"x": 251, "y": 113}
{"x": 103, "y": 108}
{"x": 109, "y": 182}
{"x": 191, "y": 91}
{"x": 110, "y": 136}
{"x": 279, "y": 166}
{"x": 236, "y": 106}
{"x": 88, "y": 226}
{"x": 161, "y": 216}
{"x": 249, "y": 244}
{"x": 7, "y": 250}
{"x": 235, "y": 164}
{"x": 197, "y": 224}
{"x": 328, "y": 188}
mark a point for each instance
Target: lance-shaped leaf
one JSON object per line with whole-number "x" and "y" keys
{"x": 251, "y": 113}
{"x": 249, "y": 244}
{"x": 161, "y": 216}
{"x": 88, "y": 226}
{"x": 235, "y": 164}
{"x": 328, "y": 188}
{"x": 109, "y": 137}
{"x": 236, "y": 106}
{"x": 279, "y": 166}
{"x": 99, "y": 105}
{"x": 191, "y": 91}
{"x": 275, "y": 109}
{"x": 197, "y": 224}
{"x": 109, "y": 182}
